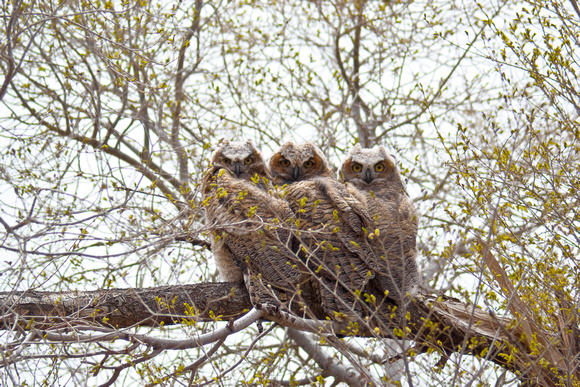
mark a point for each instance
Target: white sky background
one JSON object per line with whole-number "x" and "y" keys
{"x": 157, "y": 266}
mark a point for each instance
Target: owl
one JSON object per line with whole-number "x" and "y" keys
{"x": 372, "y": 177}
{"x": 331, "y": 226}
{"x": 250, "y": 236}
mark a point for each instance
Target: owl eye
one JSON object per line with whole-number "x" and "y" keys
{"x": 309, "y": 164}
{"x": 226, "y": 160}
{"x": 284, "y": 163}
{"x": 248, "y": 160}
{"x": 380, "y": 167}
{"x": 357, "y": 167}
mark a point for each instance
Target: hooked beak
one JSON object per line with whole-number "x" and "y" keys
{"x": 368, "y": 178}
{"x": 238, "y": 169}
{"x": 295, "y": 173}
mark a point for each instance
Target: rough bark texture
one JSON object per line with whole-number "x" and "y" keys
{"x": 120, "y": 308}
{"x": 443, "y": 324}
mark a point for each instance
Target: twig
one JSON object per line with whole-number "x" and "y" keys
{"x": 330, "y": 366}
{"x": 243, "y": 357}
{"x": 193, "y": 367}
{"x": 132, "y": 363}
{"x": 194, "y": 241}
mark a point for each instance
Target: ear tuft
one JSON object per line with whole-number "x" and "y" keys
{"x": 383, "y": 151}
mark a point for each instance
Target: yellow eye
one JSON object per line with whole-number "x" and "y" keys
{"x": 285, "y": 163}
{"x": 309, "y": 164}
{"x": 226, "y": 160}
{"x": 356, "y": 167}
{"x": 379, "y": 167}
{"x": 248, "y": 160}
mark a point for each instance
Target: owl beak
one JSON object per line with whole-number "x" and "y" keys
{"x": 238, "y": 169}
{"x": 368, "y": 177}
{"x": 295, "y": 173}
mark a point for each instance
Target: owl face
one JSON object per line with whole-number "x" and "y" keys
{"x": 240, "y": 158}
{"x": 364, "y": 166}
{"x": 295, "y": 162}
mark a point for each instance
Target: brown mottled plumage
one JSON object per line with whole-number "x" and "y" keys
{"x": 331, "y": 224}
{"x": 251, "y": 239}
{"x": 371, "y": 176}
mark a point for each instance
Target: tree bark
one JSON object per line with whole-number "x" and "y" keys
{"x": 438, "y": 323}
{"x": 121, "y": 308}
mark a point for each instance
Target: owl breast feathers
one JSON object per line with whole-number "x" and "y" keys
{"x": 372, "y": 177}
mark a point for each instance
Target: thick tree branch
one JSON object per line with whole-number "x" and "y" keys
{"x": 121, "y": 308}
{"x": 440, "y": 323}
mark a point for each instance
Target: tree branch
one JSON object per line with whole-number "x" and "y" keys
{"x": 329, "y": 366}
{"x": 121, "y": 308}
{"x": 439, "y": 323}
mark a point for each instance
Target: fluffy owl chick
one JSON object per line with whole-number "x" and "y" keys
{"x": 241, "y": 159}
{"x": 371, "y": 175}
{"x": 250, "y": 239}
{"x": 330, "y": 225}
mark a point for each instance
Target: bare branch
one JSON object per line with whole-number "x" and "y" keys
{"x": 330, "y": 366}
{"x": 449, "y": 319}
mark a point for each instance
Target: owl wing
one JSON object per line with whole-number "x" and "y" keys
{"x": 331, "y": 247}
{"x": 253, "y": 227}
{"x": 349, "y": 209}
{"x": 396, "y": 219}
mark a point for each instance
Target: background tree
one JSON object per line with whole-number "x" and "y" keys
{"x": 110, "y": 109}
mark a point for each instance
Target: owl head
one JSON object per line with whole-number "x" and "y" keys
{"x": 241, "y": 158}
{"x": 296, "y": 162}
{"x": 364, "y": 166}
